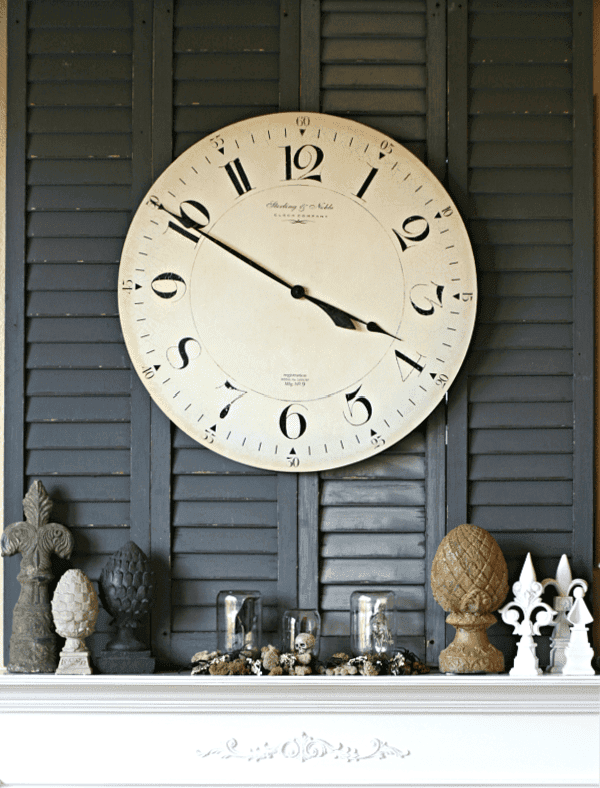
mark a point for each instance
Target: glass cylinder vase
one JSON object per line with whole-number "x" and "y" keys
{"x": 299, "y": 622}
{"x": 239, "y": 621}
{"x": 372, "y": 622}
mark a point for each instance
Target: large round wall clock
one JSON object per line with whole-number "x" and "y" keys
{"x": 297, "y": 291}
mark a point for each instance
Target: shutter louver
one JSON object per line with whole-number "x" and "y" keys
{"x": 78, "y": 198}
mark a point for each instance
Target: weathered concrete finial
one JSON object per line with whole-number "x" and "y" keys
{"x": 33, "y": 643}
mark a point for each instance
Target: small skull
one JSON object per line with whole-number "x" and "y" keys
{"x": 304, "y": 643}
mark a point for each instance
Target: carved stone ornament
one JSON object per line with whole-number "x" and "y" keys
{"x": 579, "y": 653}
{"x": 469, "y": 579}
{"x": 562, "y": 603}
{"x": 75, "y": 610}
{"x": 33, "y": 643}
{"x": 126, "y": 592}
{"x": 528, "y": 599}
{"x": 306, "y": 748}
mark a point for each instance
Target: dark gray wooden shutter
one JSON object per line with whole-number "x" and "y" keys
{"x": 374, "y": 516}
{"x": 77, "y": 379}
{"x": 526, "y": 215}
{"x": 511, "y": 158}
{"x": 232, "y": 526}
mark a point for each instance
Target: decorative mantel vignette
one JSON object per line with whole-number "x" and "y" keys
{"x": 306, "y": 748}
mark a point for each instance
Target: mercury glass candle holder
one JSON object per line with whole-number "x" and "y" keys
{"x": 300, "y": 622}
{"x": 239, "y": 621}
{"x": 373, "y": 622}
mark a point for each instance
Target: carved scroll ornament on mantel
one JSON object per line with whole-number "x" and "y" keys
{"x": 305, "y": 748}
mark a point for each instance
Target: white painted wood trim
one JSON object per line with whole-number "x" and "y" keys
{"x": 171, "y": 731}
{"x": 434, "y": 694}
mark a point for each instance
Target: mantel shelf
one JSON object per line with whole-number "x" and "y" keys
{"x": 433, "y": 693}
{"x": 176, "y": 731}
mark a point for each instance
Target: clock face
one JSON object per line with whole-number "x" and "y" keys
{"x": 297, "y": 291}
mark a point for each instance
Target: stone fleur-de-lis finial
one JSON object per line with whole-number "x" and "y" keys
{"x": 33, "y": 644}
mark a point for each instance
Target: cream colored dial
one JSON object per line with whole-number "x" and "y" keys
{"x": 297, "y": 291}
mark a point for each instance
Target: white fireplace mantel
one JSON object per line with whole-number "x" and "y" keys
{"x": 164, "y": 731}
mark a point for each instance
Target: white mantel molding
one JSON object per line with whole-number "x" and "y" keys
{"x": 182, "y": 731}
{"x": 173, "y": 693}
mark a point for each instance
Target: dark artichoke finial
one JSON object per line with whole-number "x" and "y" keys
{"x": 126, "y": 591}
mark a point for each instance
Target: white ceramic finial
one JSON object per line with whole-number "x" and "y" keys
{"x": 528, "y": 593}
{"x": 562, "y": 603}
{"x": 579, "y": 653}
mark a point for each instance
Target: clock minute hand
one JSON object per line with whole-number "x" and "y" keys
{"x": 243, "y": 257}
{"x": 340, "y": 318}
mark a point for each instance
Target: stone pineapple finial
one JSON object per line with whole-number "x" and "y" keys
{"x": 469, "y": 579}
{"x": 33, "y": 644}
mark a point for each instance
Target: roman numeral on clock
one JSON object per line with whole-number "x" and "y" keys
{"x": 367, "y": 182}
{"x": 238, "y": 176}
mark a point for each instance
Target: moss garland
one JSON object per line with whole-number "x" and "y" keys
{"x": 271, "y": 662}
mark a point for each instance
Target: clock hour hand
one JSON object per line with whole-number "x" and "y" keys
{"x": 339, "y": 317}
